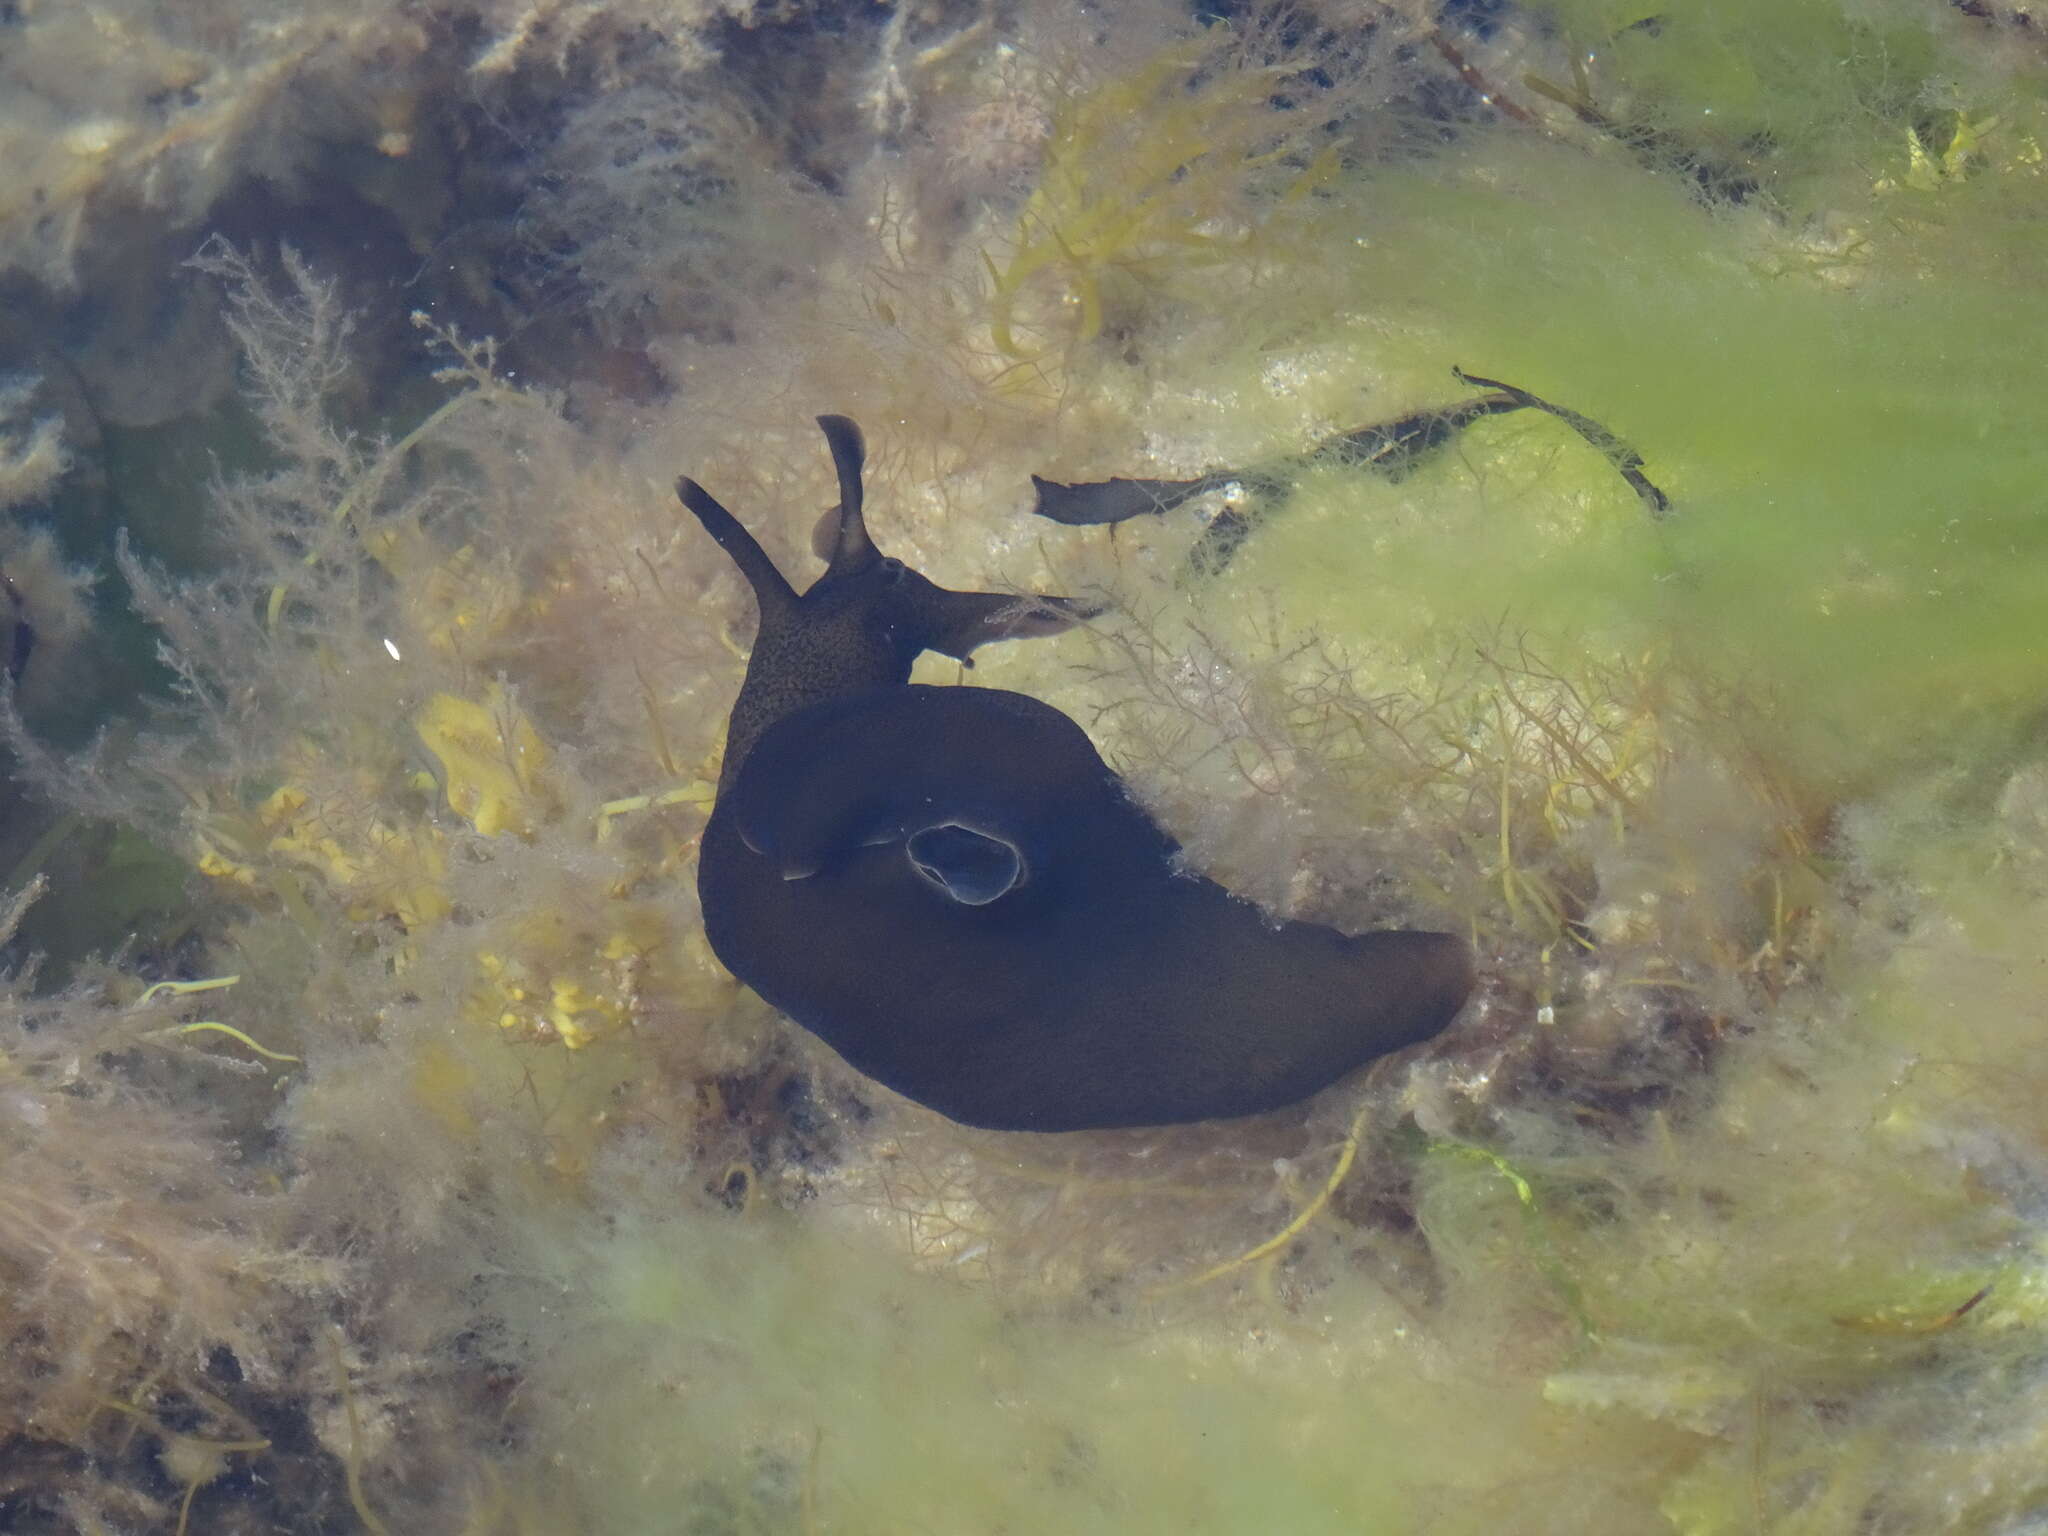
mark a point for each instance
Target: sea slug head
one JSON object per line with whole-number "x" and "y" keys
{"x": 863, "y": 622}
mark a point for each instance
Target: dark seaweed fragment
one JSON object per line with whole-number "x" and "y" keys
{"x": 1391, "y": 448}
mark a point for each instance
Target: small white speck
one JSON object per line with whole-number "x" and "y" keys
{"x": 392, "y": 646}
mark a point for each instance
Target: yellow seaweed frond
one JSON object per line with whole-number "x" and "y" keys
{"x": 331, "y": 819}
{"x": 1929, "y": 169}
{"x": 577, "y": 984}
{"x": 406, "y": 877}
{"x": 698, "y": 792}
{"x": 215, "y": 1027}
{"x": 1347, "y": 1154}
{"x": 461, "y": 601}
{"x": 184, "y": 988}
{"x": 1146, "y": 171}
{"x": 494, "y": 765}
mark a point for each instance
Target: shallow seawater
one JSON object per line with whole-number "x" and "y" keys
{"x": 381, "y": 1145}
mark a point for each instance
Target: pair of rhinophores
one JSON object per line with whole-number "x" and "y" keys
{"x": 952, "y": 889}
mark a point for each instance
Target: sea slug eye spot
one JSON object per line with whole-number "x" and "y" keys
{"x": 971, "y": 867}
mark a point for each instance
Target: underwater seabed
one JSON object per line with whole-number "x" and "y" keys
{"x": 415, "y": 1167}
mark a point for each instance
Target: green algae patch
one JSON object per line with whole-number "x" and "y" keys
{"x": 767, "y": 1375}
{"x": 1520, "y": 520}
{"x": 1779, "y": 92}
{"x": 1854, "y": 543}
{"x": 1828, "y": 1270}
